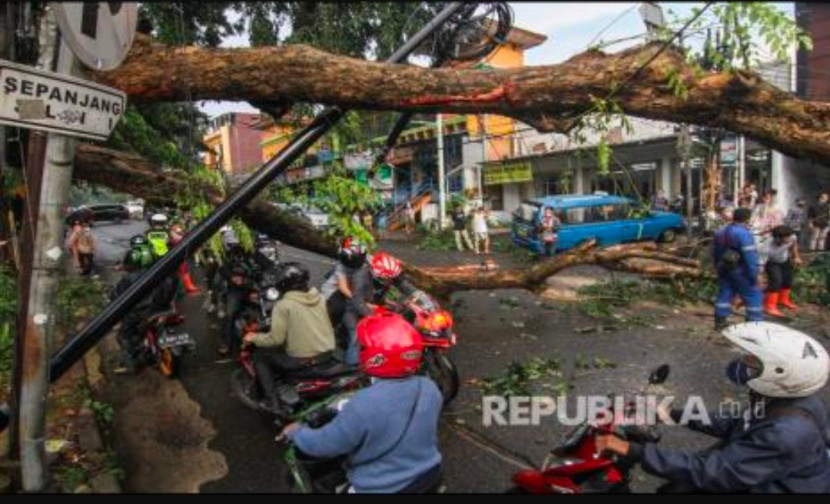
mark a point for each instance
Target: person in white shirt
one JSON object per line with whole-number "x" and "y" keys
{"x": 480, "y": 231}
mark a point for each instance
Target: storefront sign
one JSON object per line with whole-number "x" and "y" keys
{"x": 509, "y": 173}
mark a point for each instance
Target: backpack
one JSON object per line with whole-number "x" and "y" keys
{"x": 85, "y": 242}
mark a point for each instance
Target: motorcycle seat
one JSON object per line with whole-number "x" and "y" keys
{"x": 328, "y": 369}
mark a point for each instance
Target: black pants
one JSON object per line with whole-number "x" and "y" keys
{"x": 779, "y": 276}
{"x": 336, "y": 306}
{"x": 550, "y": 248}
{"x": 130, "y": 336}
{"x": 234, "y": 300}
{"x": 86, "y": 262}
{"x": 271, "y": 364}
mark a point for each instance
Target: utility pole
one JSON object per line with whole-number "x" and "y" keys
{"x": 442, "y": 201}
{"x": 39, "y": 326}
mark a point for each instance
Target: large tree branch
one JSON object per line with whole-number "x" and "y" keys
{"x": 546, "y": 97}
{"x": 133, "y": 174}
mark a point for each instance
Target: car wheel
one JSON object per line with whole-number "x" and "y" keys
{"x": 668, "y": 236}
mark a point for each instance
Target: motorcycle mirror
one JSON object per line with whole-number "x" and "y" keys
{"x": 659, "y": 375}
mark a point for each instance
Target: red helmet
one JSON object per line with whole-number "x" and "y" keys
{"x": 389, "y": 346}
{"x": 352, "y": 252}
{"x": 385, "y": 267}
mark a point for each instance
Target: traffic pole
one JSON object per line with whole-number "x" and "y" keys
{"x": 38, "y": 329}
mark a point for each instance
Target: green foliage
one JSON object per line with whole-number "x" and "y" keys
{"x": 71, "y": 477}
{"x": 8, "y": 312}
{"x": 601, "y": 298}
{"x": 104, "y": 412}
{"x": 78, "y": 299}
{"x": 159, "y": 133}
{"x": 438, "y": 240}
{"x": 812, "y": 282}
{"x": 339, "y": 196}
{"x": 519, "y": 377}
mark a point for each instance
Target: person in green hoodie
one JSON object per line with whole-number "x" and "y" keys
{"x": 301, "y": 333}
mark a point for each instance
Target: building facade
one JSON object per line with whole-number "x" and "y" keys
{"x": 233, "y": 142}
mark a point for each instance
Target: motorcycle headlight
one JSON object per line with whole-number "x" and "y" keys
{"x": 272, "y": 294}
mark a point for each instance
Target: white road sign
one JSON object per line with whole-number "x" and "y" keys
{"x": 37, "y": 99}
{"x": 99, "y": 33}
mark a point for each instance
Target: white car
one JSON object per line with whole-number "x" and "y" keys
{"x": 136, "y": 209}
{"x": 315, "y": 216}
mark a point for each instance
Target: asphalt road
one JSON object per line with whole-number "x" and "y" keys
{"x": 224, "y": 448}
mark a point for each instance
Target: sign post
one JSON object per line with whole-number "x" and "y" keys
{"x": 47, "y": 101}
{"x": 66, "y": 107}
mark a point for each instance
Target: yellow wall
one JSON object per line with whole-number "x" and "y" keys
{"x": 276, "y": 137}
{"x": 212, "y": 141}
{"x": 506, "y": 56}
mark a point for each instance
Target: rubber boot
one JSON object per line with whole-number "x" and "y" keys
{"x": 786, "y": 301}
{"x": 189, "y": 286}
{"x": 771, "y": 304}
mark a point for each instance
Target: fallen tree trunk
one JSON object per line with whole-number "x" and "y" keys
{"x": 132, "y": 174}
{"x": 546, "y": 97}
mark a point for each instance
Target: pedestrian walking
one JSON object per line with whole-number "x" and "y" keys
{"x": 480, "y": 230}
{"x": 737, "y": 266}
{"x": 71, "y": 240}
{"x": 459, "y": 226}
{"x": 84, "y": 242}
{"x": 383, "y": 225}
{"x": 368, "y": 222}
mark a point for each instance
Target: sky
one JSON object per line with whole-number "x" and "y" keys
{"x": 571, "y": 27}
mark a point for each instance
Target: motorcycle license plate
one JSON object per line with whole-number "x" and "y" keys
{"x": 177, "y": 339}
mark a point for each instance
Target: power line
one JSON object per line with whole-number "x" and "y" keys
{"x": 642, "y": 67}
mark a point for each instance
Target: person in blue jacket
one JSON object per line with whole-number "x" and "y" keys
{"x": 779, "y": 445}
{"x": 737, "y": 265}
{"x": 389, "y": 430}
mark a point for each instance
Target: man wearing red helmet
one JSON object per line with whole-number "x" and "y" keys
{"x": 347, "y": 290}
{"x": 389, "y": 430}
{"x": 387, "y": 272}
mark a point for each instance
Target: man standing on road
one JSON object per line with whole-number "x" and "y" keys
{"x": 737, "y": 266}
{"x": 84, "y": 243}
{"x": 459, "y": 225}
{"x": 480, "y": 231}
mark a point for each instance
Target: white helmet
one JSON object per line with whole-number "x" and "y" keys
{"x": 158, "y": 219}
{"x": 793, "y": 364}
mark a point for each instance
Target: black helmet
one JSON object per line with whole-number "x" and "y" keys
{"x": 138, "y": 241}
{"x": 292, "y": 276}
{"x": 352, "y": 252}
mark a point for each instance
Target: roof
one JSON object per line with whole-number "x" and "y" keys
{"x": 519, "y": 36}
{"x": 579, "y": 200}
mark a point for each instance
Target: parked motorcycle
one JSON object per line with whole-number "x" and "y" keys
{"x": 165, "y": 346}
{"x": 576, "y": 467}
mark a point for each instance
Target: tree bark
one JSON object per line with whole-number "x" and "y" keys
{"x": 547, "y": 97}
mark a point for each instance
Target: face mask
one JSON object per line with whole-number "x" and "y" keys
{"x": 739, "y": 373}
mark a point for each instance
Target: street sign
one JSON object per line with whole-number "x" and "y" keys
{"x": 49, "y": 101}
{"x": 99, "y": 33}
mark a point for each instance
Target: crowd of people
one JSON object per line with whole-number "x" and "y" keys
{"x": 758, "y": 237}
